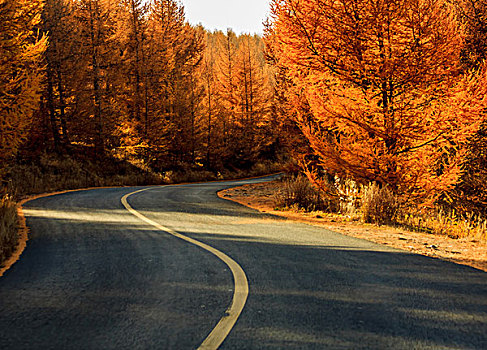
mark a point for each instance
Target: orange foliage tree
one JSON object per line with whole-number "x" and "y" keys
{"x": 471, "y": 192}
{"x": 133, "y": 79}
{"x": 377, "y": 89}
{"x": 20, "y": 71}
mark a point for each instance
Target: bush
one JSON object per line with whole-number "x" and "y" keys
{"x": 379, "y": 204}
{"x": 299, "y": 192}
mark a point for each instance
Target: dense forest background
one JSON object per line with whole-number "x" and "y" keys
{"x": 131, "y": 80}
{"x": 380, "y": 104}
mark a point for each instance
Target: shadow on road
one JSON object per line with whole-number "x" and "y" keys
{"x": 308, "y": 297}
{"x": 93, "y": 276}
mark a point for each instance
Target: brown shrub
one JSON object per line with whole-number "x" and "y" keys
{"x": 299, "y": 192}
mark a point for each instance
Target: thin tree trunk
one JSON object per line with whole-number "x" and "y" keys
{"x": 137, "y": 61}
{"x": 52, "y": 111}
{"x": 208, "y": 149}
{"x": 99, "y": 142}
{"x": 62, "y": 108}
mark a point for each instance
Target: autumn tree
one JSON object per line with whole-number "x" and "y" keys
{"x": 473, "y": 15}
{"x": 469, "y": 194}
{"x": 100, "y": 59}
{"x": 243, "y": 95}
{"x": 131, "y": 32}
{"x": 165, "y": 23}
{"x": 185, "y": 86}
{"x": 21, "y": 73}
{"x": 225, "y": 47}
{"x": 377, "y": 88}
{"x": 212, "y": 111}
{"x": 58, "y": 22}
{"x": 255, "y": 95}
{"x": 133, "y": 79}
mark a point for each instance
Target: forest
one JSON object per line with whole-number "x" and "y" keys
{"x": 377, "y": 99}
{"x": 134, "y": 80}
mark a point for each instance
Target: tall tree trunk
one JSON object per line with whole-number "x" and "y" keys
{"x": 208, "y": 147}
{"x": 99, "y": 142}
{"x": 62, "y": 108}
{"x": 52, "y": 111}
{"x": 136, "y": 29}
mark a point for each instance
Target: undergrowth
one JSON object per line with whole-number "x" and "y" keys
{"x": 299, "y": 193}
{"x": 54, "y": 173}
{"x": 8, "y": 228}
{"x": 377, "y": 205}
{"x": 445, "y": 223}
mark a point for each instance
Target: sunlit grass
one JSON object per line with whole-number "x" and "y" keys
{"x": 451, "y": 225}
{"x": 375, "y": 205}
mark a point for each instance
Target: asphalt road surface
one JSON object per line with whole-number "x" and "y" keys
{"x": 95, "y": 276}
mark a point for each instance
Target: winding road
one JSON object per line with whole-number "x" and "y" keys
{"x": 176, "y": 267}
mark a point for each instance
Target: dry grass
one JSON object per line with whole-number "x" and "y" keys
{"x": 53, "y": 173}
{"x": 448, "y": 224}
{"x": 297, "y": 192}
{"x": 8, "y": 228}
{"x": 379, "y": 205}
{"x": 184, "y": 173}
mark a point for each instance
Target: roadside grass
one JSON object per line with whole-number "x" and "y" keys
{"x": 54, "y": 173}
{"x": 184, "y": 173}
{"x": 8, "y": 228}
{"x": 438, "y": 222}
{"x": 375, "y": 205}
{"x": 378, "y": 205}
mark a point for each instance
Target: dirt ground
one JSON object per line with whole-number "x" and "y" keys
{"x": 462, "y": 251}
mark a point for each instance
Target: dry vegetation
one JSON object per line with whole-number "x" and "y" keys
{"x": 378, "y": 205}
{"x": 8, "y": 228}
{"x": 53, "y": 172}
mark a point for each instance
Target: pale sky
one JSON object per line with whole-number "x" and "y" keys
{"x": 243, "y": 16}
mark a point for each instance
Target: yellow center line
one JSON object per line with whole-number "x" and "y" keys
{"x": 241, "y": 290}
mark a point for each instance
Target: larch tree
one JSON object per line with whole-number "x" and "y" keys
{"x": 226, "y": 78}
{"x": 255, "y": 94}
{"x": 100, "y": 58}
{"x": 131, "y": 35}
{"x": 188, "y": 60}
{"x": 57, "y": 21}
{"x": 210, "y": 104}
{"x": 243, "y": 94}
{"x": 128, "y": 70}
{"x": 377, "y": 89}
{"x": 165, "y": 24}
{"x": 131, "y": 78}
{"x": 473, "y": 14}
{"x": 21, "y": 71}
{"x": 471, "y": 191}
{"x": 174, "y": 51}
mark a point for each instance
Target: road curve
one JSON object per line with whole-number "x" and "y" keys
{"x": 241, "y": 284}
{"x": 94, "y": 276}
